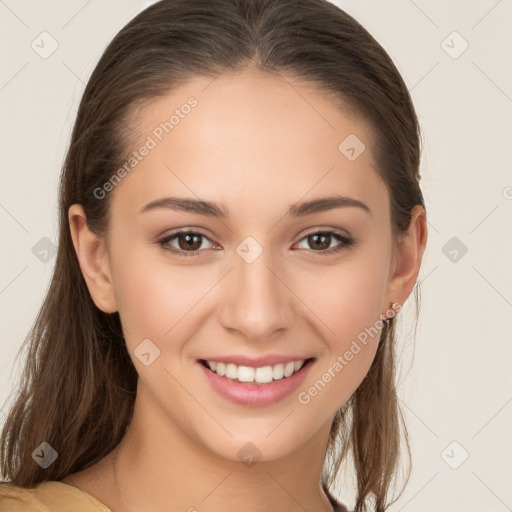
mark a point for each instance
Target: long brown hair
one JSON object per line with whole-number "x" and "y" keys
{"x": 78, "y": 385}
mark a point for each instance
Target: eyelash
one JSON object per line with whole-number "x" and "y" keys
{"x": 347, "y": 242}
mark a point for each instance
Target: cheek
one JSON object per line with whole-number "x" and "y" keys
{"x": 155, "y": 298}
{"x": 347, "y": 301}
{"x": 346, "y": 298}
{"x": 349, "y": 351}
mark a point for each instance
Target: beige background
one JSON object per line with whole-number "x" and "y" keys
{"x": 457, "y": 392}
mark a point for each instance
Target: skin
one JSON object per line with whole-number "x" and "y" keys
{"x": 255, "y": 145}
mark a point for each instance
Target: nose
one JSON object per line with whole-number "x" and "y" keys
{"x": 257, "y": 299}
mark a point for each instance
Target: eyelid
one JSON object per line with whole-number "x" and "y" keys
{"x": 345, "y": 240}
{"x": 186, "y": 230}
{"x": 326, "y": 229}
{"x": 315, "y": 229}
{"x": 199, "y": 231}
{"x": 164, "y": 240}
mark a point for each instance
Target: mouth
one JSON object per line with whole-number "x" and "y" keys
{"x": 255, "y": 386}
{"x": 256, "y": 375}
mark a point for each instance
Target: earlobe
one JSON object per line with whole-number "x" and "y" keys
{"x": 93, "y": 259}
{"x": 408, "y": 257}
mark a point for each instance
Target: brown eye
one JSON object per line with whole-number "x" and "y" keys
{"x": 189, "y": 243}
{"x": 320, "y": 242}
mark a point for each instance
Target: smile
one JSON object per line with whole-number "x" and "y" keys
{"x": 261, "y": 375}
{"x": 259, "y": 386}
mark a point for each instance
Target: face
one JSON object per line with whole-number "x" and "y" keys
{"x": 266, "y": 280}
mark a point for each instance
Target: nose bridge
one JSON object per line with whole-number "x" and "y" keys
{"x": 257, "y": 302}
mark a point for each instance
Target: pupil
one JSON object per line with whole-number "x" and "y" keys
{"x": 189, "y": 242}
{"x": 325, "y": 237}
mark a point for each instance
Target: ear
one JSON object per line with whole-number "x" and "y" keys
{"x": 407, "y": 258}
{"x": 93, "y": 258}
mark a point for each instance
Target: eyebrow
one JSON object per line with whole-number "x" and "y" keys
{"x": 211, "y": 209}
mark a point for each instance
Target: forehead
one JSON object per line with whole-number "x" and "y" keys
{"x": 244, "y": 137}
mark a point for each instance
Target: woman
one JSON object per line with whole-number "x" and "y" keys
{"x": 240, "y": 222}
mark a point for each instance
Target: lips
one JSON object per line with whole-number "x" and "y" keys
{"x": 252, "y": 393}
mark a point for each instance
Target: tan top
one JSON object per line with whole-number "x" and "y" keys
{"x": 56, "y": 496}
{"x": 49, "y": 496}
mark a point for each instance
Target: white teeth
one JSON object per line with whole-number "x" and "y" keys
{"x": 246, "y": 374}
{"x": 260, "y": 375}
{"x": 231, "y": 371}
{"x": 221, "y": 369}
{"x": 278, "y": 371}
{"x": 263, "y": 374}
{"x": 289, "y": 368}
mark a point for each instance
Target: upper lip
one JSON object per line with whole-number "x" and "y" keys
{"x": 256, "y": 362}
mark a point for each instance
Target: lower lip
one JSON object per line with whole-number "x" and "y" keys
{"x": 255, "y": 395}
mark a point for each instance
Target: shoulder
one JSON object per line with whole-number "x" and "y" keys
{"x": 51, "y": 496}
